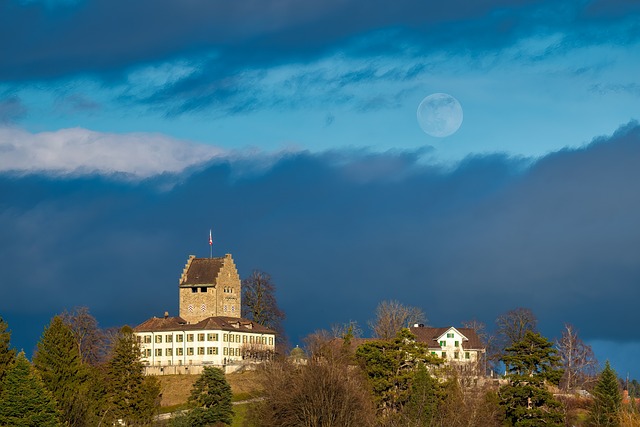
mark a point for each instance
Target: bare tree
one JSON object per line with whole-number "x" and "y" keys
{"x": 347, "y": 330}
{"x": 391, "y": 316}
{"x": 259, "y": 302}
{"x": 318, "y": 394}
{"x": 488, "y": 342}
{"x": 514, "y": 324}
{"x": 578, "y": 359}
{"x": 90, "y": 339}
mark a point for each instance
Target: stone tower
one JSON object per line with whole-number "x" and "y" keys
{"x": 209, "y": 287}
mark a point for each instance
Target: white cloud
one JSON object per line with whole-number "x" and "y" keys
{"x": 82, "y": 151}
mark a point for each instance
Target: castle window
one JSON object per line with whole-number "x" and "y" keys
{"x": 237, "y": 352}
{"x": 212, "y": 337}
{"x": 244, "y": 339}
{"x": 169, "y": 338}
{"x": 224, "y": 337}
{"x": 189, "y": 351}
{"x": 225, "y": 350}
{"x": 147, "y": 339}
{"x": 179, "y": 338}
{"x": 179, "y": 351}
{"x": 148, "y": 352}
{"x": 443, "y": 343}
{"x": 189, "y": 337}
{"x": 450, "y": 335}
{"x": 200, "y": 351}
{"x": 158, "y": 352}
{"x": 169, "y": 352}
{"x": 158, "y": 339}
{"x": 444, "y": 354}
{"x": 200, "y": 337}
{"x": 233, "y": 307}
{"x": 194, "y": 290}
{"x": 212, "y": 350}
{"x": 225, "y": 309}
{"x": 203, "y": 289}
{"x": 467, "y": 355}
{"x": 456, "y": 355}
{"x": 457, "y": 343}
{"x": 270, "y": 340}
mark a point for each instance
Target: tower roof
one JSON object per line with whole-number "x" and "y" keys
{"x": 202, "y": 271}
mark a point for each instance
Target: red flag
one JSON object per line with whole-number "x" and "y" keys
{"x": 210, "y": 239}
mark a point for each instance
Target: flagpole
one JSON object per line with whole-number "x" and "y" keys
{"x": 210, "y": 245}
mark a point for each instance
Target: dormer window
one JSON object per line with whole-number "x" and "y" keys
{"x": 450, "y": 335}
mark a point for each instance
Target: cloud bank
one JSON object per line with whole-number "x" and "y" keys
{"x": 339, "y": 232}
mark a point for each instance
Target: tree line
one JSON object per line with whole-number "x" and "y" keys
{"x": 81, "y": 375}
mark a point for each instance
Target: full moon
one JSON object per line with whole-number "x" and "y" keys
{"x": 440, "y": 115}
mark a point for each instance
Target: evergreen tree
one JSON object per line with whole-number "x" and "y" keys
{"x": 132, "y": 397}
{"x": 7, "y": 354}
{"x": 211, "y": 399}
{"x": 531, "y": 364}
{"x": 58, "y": 362}
{"x": 390, "y": 367}
{"x": 605, "y": 410}
{"x": 24, "y": 400}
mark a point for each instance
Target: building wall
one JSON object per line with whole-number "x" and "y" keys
{"x": 451, "y": 349}
{"x": 203, "y": 347}
{"x": 222, "y": 298}
{"x": 229, "y": 289}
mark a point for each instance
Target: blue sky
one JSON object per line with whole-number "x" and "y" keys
{"x": 128, "y": 130}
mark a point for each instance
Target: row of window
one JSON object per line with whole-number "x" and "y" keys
{"x": 168, "y": 338}
{"x": 190, "y": 351}
{"x": 443, "y": 343}
{"x": 456, "y": 354}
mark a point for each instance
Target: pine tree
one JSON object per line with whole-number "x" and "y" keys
{"x": 391, "y": 366}
{"x": 58, "y": 362}
{"x": 24, "y": 400}
{"x": 133, "y": 398}
{"x": 7, "y": 354}
{"x": 605, "y": 410}
{"x": 531, "y": 364}
{"x": 211, "y": 399}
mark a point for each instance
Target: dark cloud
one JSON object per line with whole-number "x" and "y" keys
{"x": 339, "y": 232}
{"x": 104, "y": 36}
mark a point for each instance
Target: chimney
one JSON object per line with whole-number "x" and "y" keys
{"x": 166, "y": 314}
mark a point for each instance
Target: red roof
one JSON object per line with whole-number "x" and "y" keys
{"x": 430, "y": 336}
{"x": 236, "y": 324}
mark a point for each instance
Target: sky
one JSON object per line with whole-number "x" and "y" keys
{"x": 289, "y": 128}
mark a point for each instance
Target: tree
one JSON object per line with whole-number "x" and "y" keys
{"x": 210, "y": 399}
{"x": 62, "y": 372}
{"x": 392, "y": 316}
{"x": 390, "y": 366}
{"x": 90, "y": 339}
{"x": 7, "y": 354}
{"x": 487, "y": 340}
{"x": 24, "y": 400}
{"x": 259, "y": 301}
{"x": 133, "y": 398}
{"x": 322, "y": 393}
{"x": 605, "y": 410}
{"x": 514, "y": 324}
{"x": 531, "y": 364}
{"x": 577, "y": 358}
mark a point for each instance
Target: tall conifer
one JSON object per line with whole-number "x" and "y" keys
{"x": 58, "y": 362}
{"x": 132, "y": 396}
{"x": 24, "y": 400}
{"x": 605, "y": 410}
{"x": 7, "y": 354}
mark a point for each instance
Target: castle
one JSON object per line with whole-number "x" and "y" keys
{"x": 209, "y": 329}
